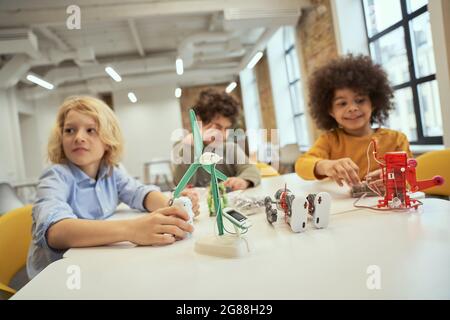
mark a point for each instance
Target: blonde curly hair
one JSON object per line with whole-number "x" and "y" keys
{"x": 108, "y": 128}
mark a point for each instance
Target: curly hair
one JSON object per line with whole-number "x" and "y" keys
{"x": 212, "y": 103}
{"x": 108, "y": 127}
{"x": 358, "y": 73}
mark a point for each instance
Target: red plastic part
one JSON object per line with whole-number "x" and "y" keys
{"x": 397, "y": 171}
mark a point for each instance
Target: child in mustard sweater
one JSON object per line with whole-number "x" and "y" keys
{"x": 347, "y": 96}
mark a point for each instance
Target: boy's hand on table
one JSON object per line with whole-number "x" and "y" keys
{"x": 162, "y": 226}
{"x": 339, "y": 170}
{"x": 193, "y": 195}
{"x": 236, "y": 183}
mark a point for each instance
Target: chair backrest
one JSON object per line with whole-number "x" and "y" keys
{"x": 15, "y": 239}
{"x": 159, "y": 172}
{"x": 8, "y": 198}
{"x": 435, "y": 163}
{"x": 289, "y": 153}
{"x": 266, "y": 170}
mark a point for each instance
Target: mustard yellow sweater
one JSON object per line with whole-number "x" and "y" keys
{"x": 336, "y": 144}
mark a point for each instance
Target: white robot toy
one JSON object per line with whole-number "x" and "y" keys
{"x": 297, "y": 209}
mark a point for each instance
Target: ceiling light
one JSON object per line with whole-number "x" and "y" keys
{"x": 231, "y": 87}
{"x": 132, "y": 97}
{"x": 40, "y": 82}
{"x": 178, "y": 92}
{"x": 179, "y": 65}
{"x": 113, "y": 74}
{"x": 255, "y": 60}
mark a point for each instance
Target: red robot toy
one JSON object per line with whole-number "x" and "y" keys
{"x": 397, "y": 172}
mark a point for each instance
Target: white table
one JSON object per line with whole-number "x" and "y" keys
{"x": 412, "y": 251}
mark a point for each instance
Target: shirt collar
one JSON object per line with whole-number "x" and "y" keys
{"x": 81, "y": 176}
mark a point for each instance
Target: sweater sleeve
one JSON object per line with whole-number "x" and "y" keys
{"x": 305, "y": 164}
{"x": 403, "y": 144}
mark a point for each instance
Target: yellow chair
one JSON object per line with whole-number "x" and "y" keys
{"x": 435, "y": 163}
{"x": 266, "y": 170}
{"x": 15, "y": 239}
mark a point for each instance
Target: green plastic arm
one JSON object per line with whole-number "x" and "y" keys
{"x": 186, "y": 177}
{"x": 220, "y": 175}
{"x": 198, "y": 141}
{"x": 217, "y": 204}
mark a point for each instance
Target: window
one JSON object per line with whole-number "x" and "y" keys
{"x": 399, "y": 37}
{"x": 295, "y": 86}
{"x": 251, "y": 103}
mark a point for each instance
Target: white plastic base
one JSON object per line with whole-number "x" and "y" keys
{"x": 227, "y": 246}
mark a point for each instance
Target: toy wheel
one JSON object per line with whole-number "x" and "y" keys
{"x": 278, "y": 194}
{"x": 289, "y": 200}
{"x": 274, "y": 215}
{"x": 268, "y": 202}
{"x": 280, "y": 191}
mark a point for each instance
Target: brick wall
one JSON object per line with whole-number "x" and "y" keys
{"x": 316, "y": 43}
{"x": 190, "y": 96}
{"x": 268, "y": 115}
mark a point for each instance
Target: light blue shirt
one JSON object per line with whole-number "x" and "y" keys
{"x": 66, "y": 192}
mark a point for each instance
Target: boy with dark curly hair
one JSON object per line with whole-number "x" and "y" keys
{"x": 347, "y": 96}
{"x": 218, "y": 112}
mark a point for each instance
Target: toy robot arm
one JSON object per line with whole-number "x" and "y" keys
{"x": 422, "y": 184}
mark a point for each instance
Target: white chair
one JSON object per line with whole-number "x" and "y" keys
{"x": 157, "y": 170}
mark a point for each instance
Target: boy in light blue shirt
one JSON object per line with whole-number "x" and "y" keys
{"x": 85, "y": 185}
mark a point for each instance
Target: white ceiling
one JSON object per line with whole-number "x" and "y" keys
{"x": 140, "y": 39}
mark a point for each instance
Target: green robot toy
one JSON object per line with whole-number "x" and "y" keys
{"x": 222, "y": 196}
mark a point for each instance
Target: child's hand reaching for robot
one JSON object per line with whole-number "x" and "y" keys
{"x": 374, "y": 176}
{"x": 340, "y": 170}
{"x": 193, "y": 195}
{"x": 375, "y": 180}
{"x": 236, "y": 183}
